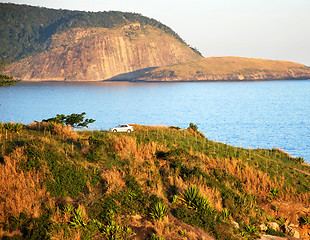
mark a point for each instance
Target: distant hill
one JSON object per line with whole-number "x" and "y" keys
{"x": 41, "y": 44}
{"x": 47, "y": 44}
{"x": 228, "y": 68}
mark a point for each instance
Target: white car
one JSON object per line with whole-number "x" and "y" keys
{"x": 122, "y": 128}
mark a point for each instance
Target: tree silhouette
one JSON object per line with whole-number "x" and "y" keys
{"x": 6, "y": 80}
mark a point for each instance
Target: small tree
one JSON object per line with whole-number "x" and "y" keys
{"x": 5, "y": 80}
{"x": 74, "y": 120}
{"x": 193, "y": 127}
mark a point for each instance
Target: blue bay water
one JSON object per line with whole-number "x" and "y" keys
{"x": 264, "y": 114}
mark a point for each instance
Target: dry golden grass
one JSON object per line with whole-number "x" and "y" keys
{"x": 218, "y": 67}
{"x": 227, "y": 65}
{"x": 212, "y": 194}
{"x": 20, "y": 191}
{"x": 38, "y": 125}
{"x": 65, "y": 132}
{"x": 114, "y": 179}
{"x": 128, "y": 148}
{"x": 254, "y": 181}
{"x": 60, "y": 217}
{"x": 68, "y": 234}
{"x": 178, "y": 182}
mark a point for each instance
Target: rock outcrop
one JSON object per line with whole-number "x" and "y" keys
{"x": 291, "y": 231}
{"x": 95, "y": 54}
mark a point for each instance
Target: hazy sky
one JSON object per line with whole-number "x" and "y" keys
{"x": 272, "y": 29}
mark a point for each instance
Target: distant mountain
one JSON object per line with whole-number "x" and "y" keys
{"x": 228, "y": 68}
{"x": 43, "y": 44}
{"x": 47, "y": 44}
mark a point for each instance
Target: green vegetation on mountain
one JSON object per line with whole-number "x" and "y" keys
{"x": 154, "y": 183}
{"x": 59, "y": 45}
{"x": 228, "y": 68}
{"x": 6, "y": 80}
{"x": 25, "y": 30}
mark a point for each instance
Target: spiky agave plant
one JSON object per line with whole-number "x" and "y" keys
{"x": 251, "y": 229}
{"x": 306, "y": 220}
{"x": 158, "y": 211}
{"x": 77, "y": 219}
{"x": 68, "y": 209}
{"x": 201, "y": 203}
{"x": 225, "y": 214}
{"x": 155, "y": 237}
{"x": 190, "y": 196}
{"x": 111, "y": 230}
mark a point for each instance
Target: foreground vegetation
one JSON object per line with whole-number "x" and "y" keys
{"x": 154, "y": 183}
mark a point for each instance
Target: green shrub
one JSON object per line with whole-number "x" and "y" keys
{"x": 299, "y": 160}
{"x": 273, "y": 232}
{"x": 251, "y": 230}
{"x": 274, "y": 193}
{"x": 38, "y": 228}
{"x": 11, "y": 127}
{"x": 193, "y": 127}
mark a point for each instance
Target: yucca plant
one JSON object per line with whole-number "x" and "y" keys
{"x": 131, "y": 194}
{"x": 158, "y": 211}
{"x": 68, "y": 209}
{"x": 77, "y": 219}
{"x": 175, "y": 199}
{"x": 155, "y": 237}
{"x": 182, "y": 233}
{"x": 201, "y": 203}
{"x": 12, "y": 127}
{"x": 111, "y": 230}
{"x": 273, "y": 194}
{"x": 251, "y": 229}
{"x": 306, "y": 220}
{"x": 299, "y": 160}
{"x": 190, "y": 196}
{"x": 95, "y": 223}
{"x": 225, "y": 214}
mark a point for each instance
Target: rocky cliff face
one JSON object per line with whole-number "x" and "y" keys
{"x": 100, "y": 54}
{"x": 228, "y": 69}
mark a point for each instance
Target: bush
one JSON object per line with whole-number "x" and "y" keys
{"x": 273, "y": 232}
{"x": 299, "y": 160}
{"x": 193, "y": 127}
{"x": 10, "y": 127}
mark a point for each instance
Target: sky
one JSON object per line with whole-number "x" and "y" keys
{"x": 270, "y": 29}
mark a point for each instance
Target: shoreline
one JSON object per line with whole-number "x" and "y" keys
{"x": 161, "y": 81}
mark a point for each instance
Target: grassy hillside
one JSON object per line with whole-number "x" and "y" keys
{"x": 25, "y": 30}
{"x": 229, "y": 68}
{"x": 154, "y": 183}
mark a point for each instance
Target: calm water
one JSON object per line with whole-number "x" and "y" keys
{"x": 248, "y": 114}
